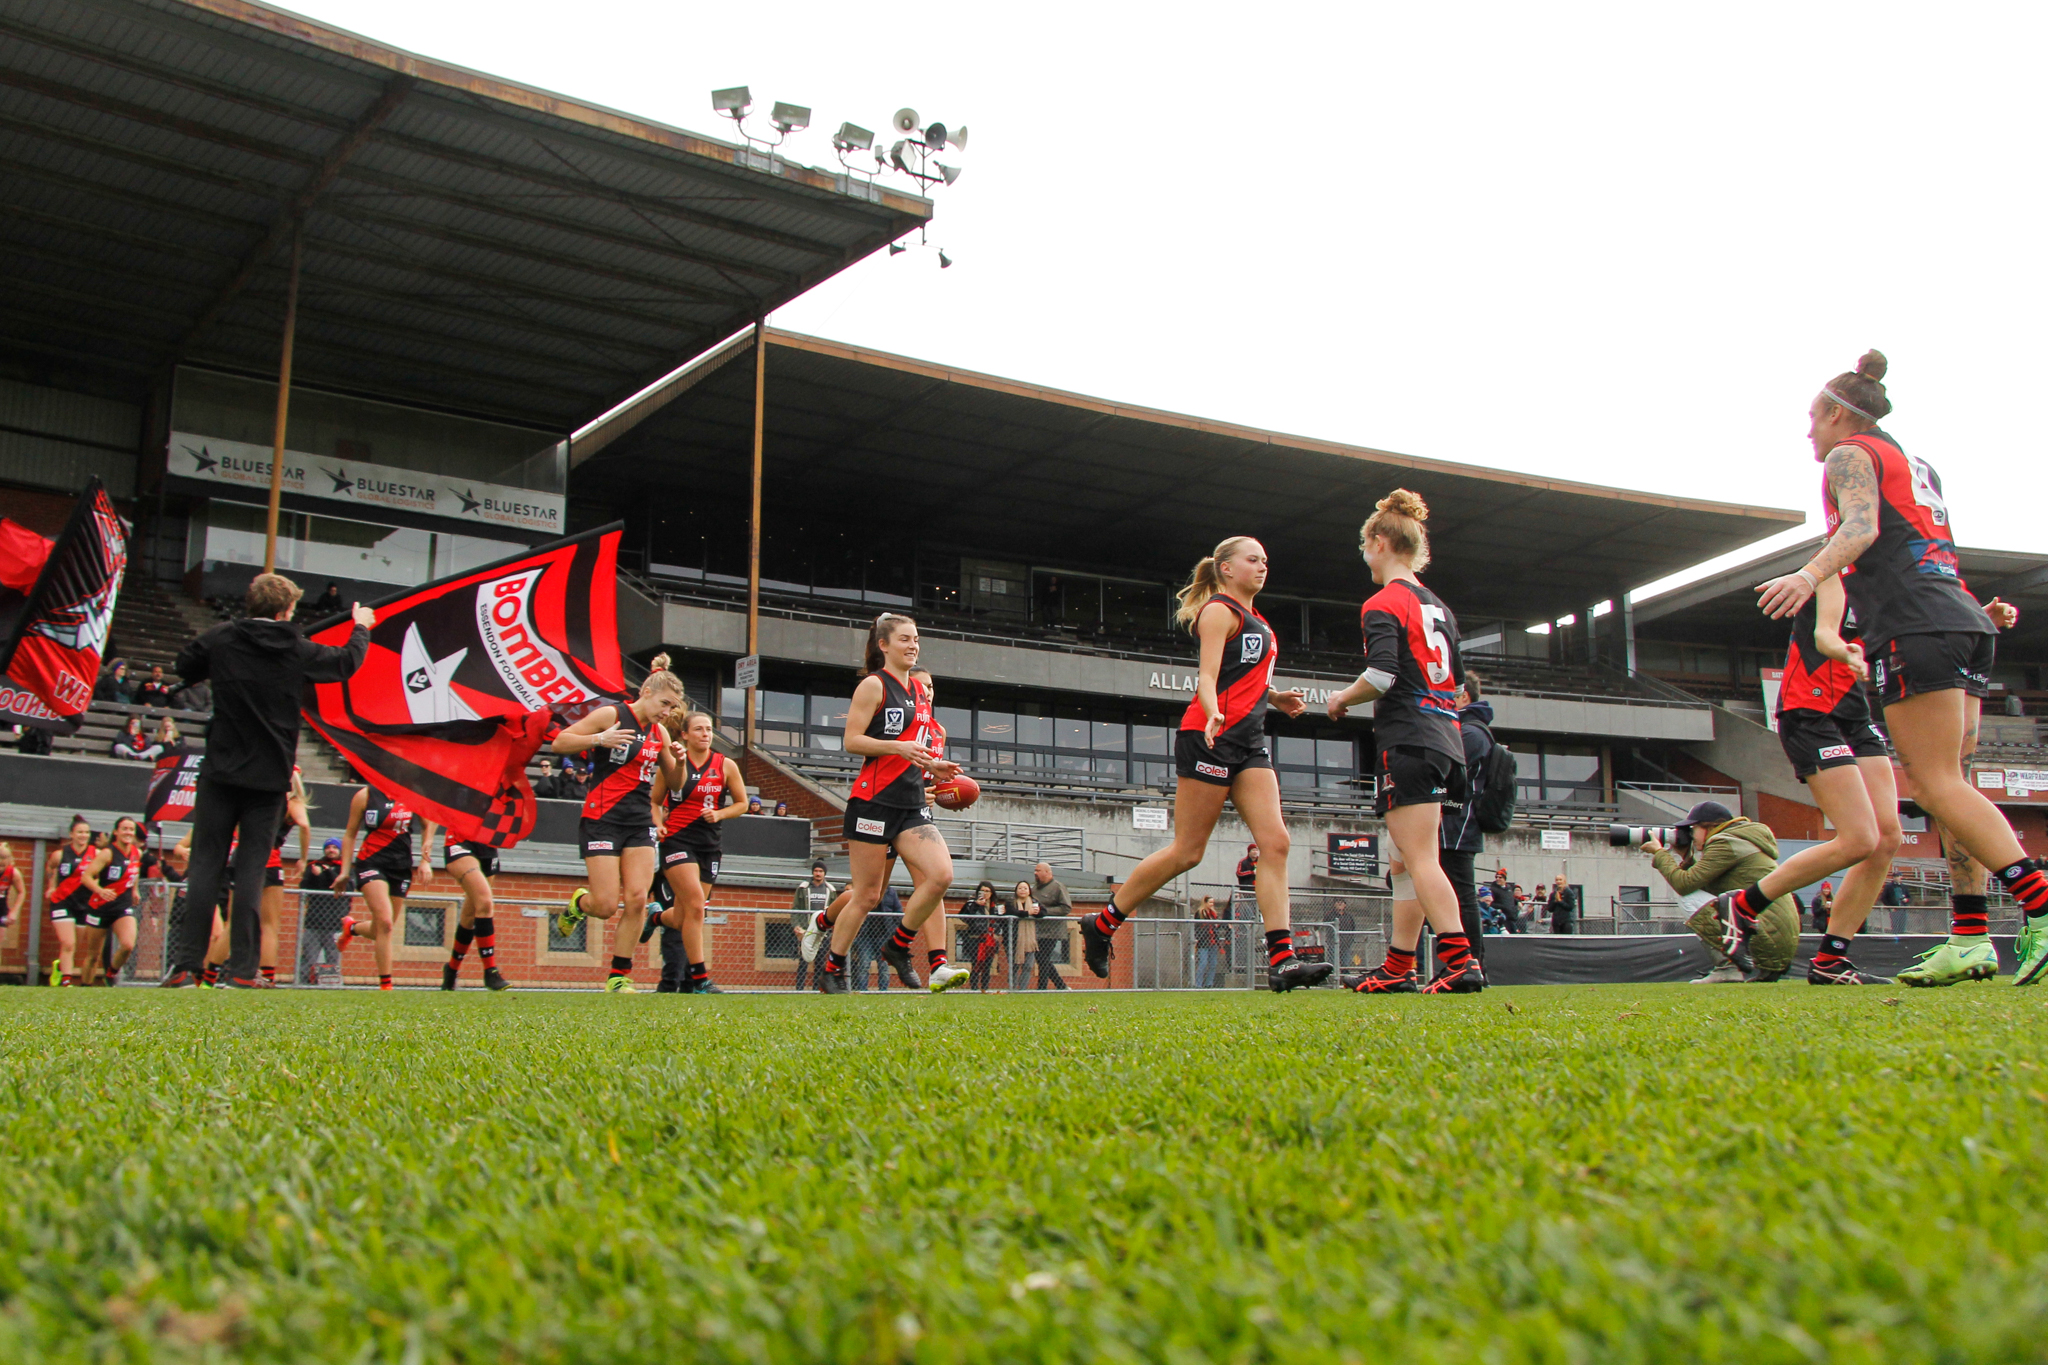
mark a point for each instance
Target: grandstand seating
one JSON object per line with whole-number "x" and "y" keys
{"x": 106, "y": 720}
{"x": 151, "y": 624}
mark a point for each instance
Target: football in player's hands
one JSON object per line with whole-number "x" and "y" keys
{"x": 957, "y": 792}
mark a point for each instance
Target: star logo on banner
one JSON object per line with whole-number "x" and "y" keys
{"x": 201, "y": 461}
{"x": 429, "y": 694}
{"x": 469, "y": 504}
{"x": 342, "y": 482}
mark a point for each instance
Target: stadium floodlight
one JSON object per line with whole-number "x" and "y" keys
{"x": 733, "y": 102}
{"x": 851, "y": 137}
{"x": 789, "y": 118}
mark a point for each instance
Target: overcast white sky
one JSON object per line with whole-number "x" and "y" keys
{"x": 1619, "y": 243}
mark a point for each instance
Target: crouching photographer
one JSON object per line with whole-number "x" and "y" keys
{"x": 1727, "y": 852}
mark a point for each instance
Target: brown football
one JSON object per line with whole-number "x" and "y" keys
{"x": 957, "y": 792}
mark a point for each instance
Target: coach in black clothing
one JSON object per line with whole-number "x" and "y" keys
{"x": 1459, "y": 834}
{"x": 258, "y": 667}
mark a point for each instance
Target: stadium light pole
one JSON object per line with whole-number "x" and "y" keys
{"x": 284, "y": 399}
{"x": 754, "y": 519}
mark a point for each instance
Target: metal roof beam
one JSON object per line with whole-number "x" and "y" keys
{"x": 157, "y": 118}
{"x": 294, "y": 209}
{"x": 241, "y": 184}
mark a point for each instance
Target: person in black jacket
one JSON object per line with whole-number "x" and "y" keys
{"x": 258, "y": 667}
{"x": 1459, "y": 834}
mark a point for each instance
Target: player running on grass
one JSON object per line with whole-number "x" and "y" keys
{"x": 473, "y": 866}
{"x": 889, "y": 725}
{"x": 270, "y": 910}
{"x": 110, "y": 904}
{"x": 710, "y": 790}
{"x": 628, "y": 745}
{"x": 384, "y": 870}
{"x": 65, "y": 890}
{"x": 1413, "y": 671}
{"x": 820, "y": 929}
{"x": 1930, "y": 647}
{"x": 1221, "y": 753}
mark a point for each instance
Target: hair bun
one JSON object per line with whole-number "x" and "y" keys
{"x": 1405, "y": 503}
{"x": 1872, "y": 366}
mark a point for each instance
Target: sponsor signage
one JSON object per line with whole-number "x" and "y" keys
{"x": 1149, "y": 817}
{"x": 368, "y": 486}
{"x": 1354, "y": 855}
{"x": 2026, "y": 781}
{"x": 1172, "y": 681}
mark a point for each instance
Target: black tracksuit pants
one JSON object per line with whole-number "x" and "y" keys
{"x": 1459, "y": 868}
{"x": 218, "y": 811}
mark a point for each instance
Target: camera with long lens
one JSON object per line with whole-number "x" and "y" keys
{"x": 1635, "y": 836}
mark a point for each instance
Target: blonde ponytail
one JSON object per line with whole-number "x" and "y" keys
{"x": 1398, "y": 519}
{"x": 1206, "y": 581}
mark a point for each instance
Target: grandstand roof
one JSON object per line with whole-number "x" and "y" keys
{"x": 1021, "y": 470}
{"x": 471, "y": 242}
{"x": 1722, "y": 610}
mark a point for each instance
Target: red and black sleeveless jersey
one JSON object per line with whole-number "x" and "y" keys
{"x": 8, "y": 877}
{"x": 1814, "y": 682}
{"x": 1412, "y": 636}
{"x": 387, "y": 833}
{"x": 905, "y": 713}
{"x": 622, "y": 777}
{"x": 119, "y": 877}
{"x": 69, "y": 887}
{"x": 1909, "y": 581}
{"x": 703, "y": 792}
{"x": 1243, "y": 681}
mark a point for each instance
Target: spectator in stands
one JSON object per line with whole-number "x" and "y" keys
{"x": 1893, "y": 898}
{"x": 114, "y": 685}
{"x": 156, "y": 689}
{"x": 261, "y": 666}
{"x": 753, "y": 805}
{"x": 981, "y": 936}
{"x": 168, "y": 738}
{"x": 1208, "y": 944}
{"x": 548, "y": 784}
{"x": 1247, "y": 875}
{"x": 873, "y": 935}
{"x": 34, "y": 740}
{"x": 782, "y": 810}
{"x": 326, "y": 604}
{"x": 1506, "y": 902}
{"x": 133, "y": 744}
{"x": 194, "y": 696}
{"x": 1559, "y": 906}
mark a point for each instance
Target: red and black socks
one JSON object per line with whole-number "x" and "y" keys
{"x": 1400, "y": 961}
{"x": 1751, "y": 902}
{"x": 269, "y": 975}
{"x": 384, "y": 982}
{"x": 486, "y": 938}
{"x": 903, "y": 937}
{"x": 1111, "y": 919}
{"x": 935, "y": 959}
{"x": 1454, "y": 951}
{"x": 1279, "y": 947}
{"x": 835, "y": 963}
{"x": 1833, "y": 950}
{"x": 699, "y": 972}
{"x": 211, "y": 974}
{"x": 1969, "y": 916}
{"x": 463, "y": 938}
{"x": 2026, "y": 881}
{"x": 621, "y": 966}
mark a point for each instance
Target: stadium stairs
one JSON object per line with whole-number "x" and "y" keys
{"x": 151, "y": 624}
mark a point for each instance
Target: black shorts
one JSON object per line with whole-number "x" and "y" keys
{"x": 868, "y": 823}
{"x": 486, "y": 857}
{"x": 1217, "y": 764}
{"x": 104, "y": 916}
{"x": 273, "y": 876}
{"x": 1410, "y": 775}
{"x": 679, "y": 850}
{"x": 610, "y": 838}
{"x": 1831, "y": 739}
{"x": 396, "y": 882}
{"x": 68, "y": 912}
{"x": 1913, "y": 664}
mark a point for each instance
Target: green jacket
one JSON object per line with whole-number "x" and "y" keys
{"x": 1734, "y": 857}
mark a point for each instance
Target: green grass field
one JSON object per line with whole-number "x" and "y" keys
{"x": 1656, "y": 1173}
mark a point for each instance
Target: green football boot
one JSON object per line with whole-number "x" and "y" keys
{"x": 2032, "y": 950}
{"x": 1973, "y": 959}
{"x": 567, "y": 920}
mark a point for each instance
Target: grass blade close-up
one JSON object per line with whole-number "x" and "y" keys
{"x": 1611, "y": 1173}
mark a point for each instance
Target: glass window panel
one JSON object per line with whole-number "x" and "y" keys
{"x": 1000, "y": 726}
{"x": 1291, "y": 777}
{"x": 782, "y": 706}
{"x": 1071, "y": 763}
{"x": 958, "y": 720}
{"x": 828, "y": 740}
{"x": 1001, "y": 758}
{"x": 829, "y": 712}
{"x": 732, "y": 703}
{"x": 1151, "y": 739}
{"x": 1034, "y": 730}
{"x": 787, "y": 739}
{"x": 1577, "y": 769}
{"x": 425, "y": 925}
{"x": 1153, "y": 774}
{"x": 1113, "y": 736}
{"x": 1337, "y": 753}
{"x": 1528, "y": 765}
{"x": 1111, "y": 767}
{"x": 1070, "y": 733}
{"x": 1294, "y": 752}
{"x": 572, "y": 942}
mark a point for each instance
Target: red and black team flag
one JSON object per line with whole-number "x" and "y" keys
{"x": 54, "y": 616}
{"x": 466, "y": 677}
{"x": 172, "y": 788}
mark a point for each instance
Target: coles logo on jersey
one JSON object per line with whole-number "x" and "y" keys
{"x": 863, "y": 825}
{"x": 1838, "y": 751}
{"x": 1211, "y": 769}
{"x": 599, "y": 846}
{"x": 892, "y": 720}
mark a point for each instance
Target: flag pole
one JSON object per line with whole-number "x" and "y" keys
{"x": 284, "y": 398}
{"x": 754, "y": 520}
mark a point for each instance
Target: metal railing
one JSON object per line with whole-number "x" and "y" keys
{"x": 1002, "y": 841}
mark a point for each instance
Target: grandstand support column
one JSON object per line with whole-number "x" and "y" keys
{"x": 1592, "y": 633}
{"x": 1625, "y": 604}
{"x": 36, "y": 910}
{"x": 754, "y": 517}
{"x": 284, "y": 397}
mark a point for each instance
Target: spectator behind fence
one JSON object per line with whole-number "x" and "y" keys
{"x": 1024, "y": 956}
{"x": 1506, "y": 901}
{"x": 1893, "y": 898}
{"x": 813, "y": 898}
{"x": 259, "y": 667}
{"x": 133, "y": 744}
{"x": 1558, "y": 906}
{"x": 13, "y": 886}
{"x": 321, "y": 909}
{"x": 114, "y": 684}
{"x": 1032, "y": 915}
{"x": 1208, "y": 944}
{"x": 981, "y": 934}
{"x": 156, "y": 689}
